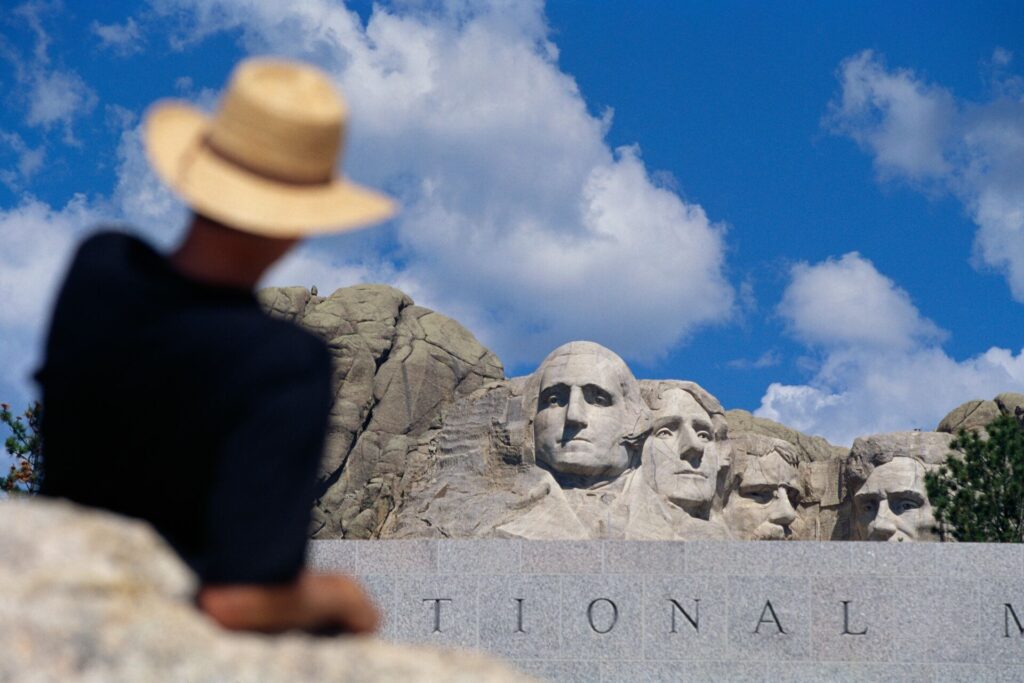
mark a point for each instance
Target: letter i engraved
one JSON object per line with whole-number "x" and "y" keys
{"x": 1007, "y": 614}
{"x": 437, "y": 611}
{"x": 846, "y": 621}
{"x": 519, "y": 616}
{"x": 694, "y": 620}
{"x": 768, "y": 609}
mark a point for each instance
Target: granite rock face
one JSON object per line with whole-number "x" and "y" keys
{"x": 429, "y": 439}
{"x": 397, "y": 369}
{"x": 88, "y": 596}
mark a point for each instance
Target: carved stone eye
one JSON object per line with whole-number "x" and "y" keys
{"x": 704, "y": 435}
{"x": 904, "y": 504}
{"x": 664, "y": 433}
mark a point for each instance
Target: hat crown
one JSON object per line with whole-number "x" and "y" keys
{"x": 283, "y": 120}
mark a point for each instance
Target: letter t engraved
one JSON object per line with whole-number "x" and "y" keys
{"x": 1007, "y": 613}
{"x": 519, "y": 615}
{"x": 773, "y": 620}
{"x": 846, "y": 621}
{"x": 694, "y": 620}
{"x": 437, "y": 611}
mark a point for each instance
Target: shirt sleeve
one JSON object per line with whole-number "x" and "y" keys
{"x": 264, "y": 482}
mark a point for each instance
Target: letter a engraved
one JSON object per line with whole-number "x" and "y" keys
{"x": 519, "y": 619}
{"x": 694, "y": 620}
{"x": 590, "y": 615}
{"x": 774, "y": 620}
{"x": 437, "y": 611}
{"x": 846, "y": 621}
{"x": 1007, "y": 613}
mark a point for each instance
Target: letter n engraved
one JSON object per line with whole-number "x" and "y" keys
{"x": 846, "y": 621}
{"x": 519, "y": 616}
{"x": 611, "y": 623}
{"x": 768, "y": 609}
{"x": 694, "y": 620}
{"x": 1007, "y": 613}
{"x": 437, "y": 611}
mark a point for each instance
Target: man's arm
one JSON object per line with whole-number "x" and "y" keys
{"x": 259, "y": 511}
{"x": 313, "y": 602}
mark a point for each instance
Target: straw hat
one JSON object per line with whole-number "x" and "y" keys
{"x": 264, "y": 162}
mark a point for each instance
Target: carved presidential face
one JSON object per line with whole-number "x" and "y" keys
{"x": 762, "y": 505}
{"x": 581, "y": 415}
{"x": 892, "y": 505}
{"x": 681, "y": 450}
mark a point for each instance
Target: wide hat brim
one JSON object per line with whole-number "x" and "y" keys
{"x": 175, "y": 140}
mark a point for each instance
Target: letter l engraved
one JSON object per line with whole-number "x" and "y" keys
{"x": 694, "y": 620}
{"x": 519, "y": 616}
{"x": 846, "y": 621}
{"x": 1007, "y": 613}
{"x": 774, "y": 620}
{"x": 437, "y": 611}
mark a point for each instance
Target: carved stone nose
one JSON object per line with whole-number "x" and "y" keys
{"x": 781, "y": 511}
{"x": 576, "y": 411}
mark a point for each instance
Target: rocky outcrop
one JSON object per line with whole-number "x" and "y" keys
{"x": 88, "y": 596}
{"x": 970, "y": 415}
{"x": 398, "y": 367}
{"x": 976, "y": 414}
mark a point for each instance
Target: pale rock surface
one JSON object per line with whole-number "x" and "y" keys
{"x": 90, "y": 597}
{"x": 970, "y": 415}
{"x": 397, "y": 369}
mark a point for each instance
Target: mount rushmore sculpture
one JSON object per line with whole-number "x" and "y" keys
{"x": 428, "y": 438}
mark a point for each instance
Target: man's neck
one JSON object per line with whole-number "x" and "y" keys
{"x": 219, "y": 255}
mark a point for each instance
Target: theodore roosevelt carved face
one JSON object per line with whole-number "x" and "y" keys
{"x": 588, "y": 411}
{"x": 764, "y": 490}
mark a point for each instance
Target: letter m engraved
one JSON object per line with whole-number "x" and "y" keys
{"x": 694, "y": 620}
{"x": 1007, "y": 614}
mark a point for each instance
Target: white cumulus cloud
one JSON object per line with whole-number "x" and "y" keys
{"x": 880, "y": 364}
{"x": 920, "y": 132}
{"x": 518, "y": 218}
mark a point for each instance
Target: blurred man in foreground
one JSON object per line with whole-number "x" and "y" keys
{"x": 170, "y": 396}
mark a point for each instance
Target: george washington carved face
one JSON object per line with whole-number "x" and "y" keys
{"x": 587, "y": 406}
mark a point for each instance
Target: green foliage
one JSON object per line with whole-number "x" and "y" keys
{"x": 979, "y": 495}
{"x": 25, "y": 446}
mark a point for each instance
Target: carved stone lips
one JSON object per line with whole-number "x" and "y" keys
{"x": 691, "y": 473}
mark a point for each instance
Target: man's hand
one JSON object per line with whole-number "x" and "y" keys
{"x": 313, "y": 602}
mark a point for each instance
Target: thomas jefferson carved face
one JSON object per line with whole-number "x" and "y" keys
{"x": 892, "y": 505}
{"x": 682, "y": 451}
{"x": 583, "y": 411}
{"x": 762, "y": 504}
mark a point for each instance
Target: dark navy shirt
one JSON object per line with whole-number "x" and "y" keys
{"x": 184, "y": 404}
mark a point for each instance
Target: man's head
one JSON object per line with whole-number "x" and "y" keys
{"x": 687, "y": 445}
{"x": 588, "y": 412}
{"x": 265, "y": 162}
{"x": 764, "y": 490}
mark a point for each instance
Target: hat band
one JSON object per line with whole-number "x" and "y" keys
{"x": 209, "y": 144}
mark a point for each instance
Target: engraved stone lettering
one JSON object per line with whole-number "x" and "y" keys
{"x": 773, "y": 620}
{"x": 1007, "y": 613}
{"x": 614, "y": 615}
{"x": 519, "y": 616}
{"x": 846, "y": 621}
{"x": 437, "y": 611}
{"x": 694, "y": 620}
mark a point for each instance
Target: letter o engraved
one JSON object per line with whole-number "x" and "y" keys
{"x": 614, "y": 619}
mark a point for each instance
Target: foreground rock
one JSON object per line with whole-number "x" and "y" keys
{"x": 88, "y": 596}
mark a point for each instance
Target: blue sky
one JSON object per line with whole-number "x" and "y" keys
{"x": 816, "y": 212}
